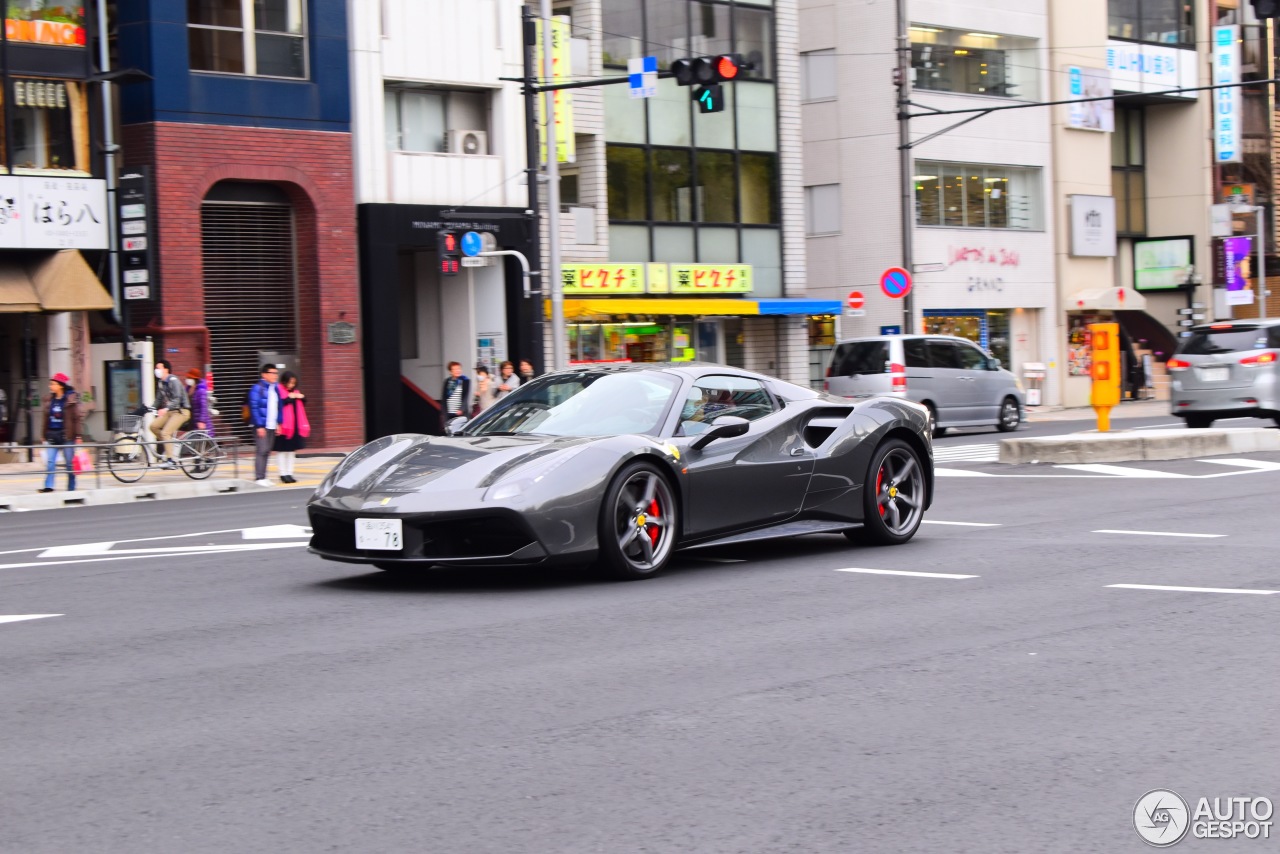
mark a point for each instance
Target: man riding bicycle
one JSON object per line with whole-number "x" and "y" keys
{"x": 173, "y": 408}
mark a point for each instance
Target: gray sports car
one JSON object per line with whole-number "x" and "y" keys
{"x": 623, "y": 465}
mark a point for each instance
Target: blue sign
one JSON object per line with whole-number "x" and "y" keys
{"x": 642, "y": 76}
{"x": 472, "y": 245}
{"x": 1077, "y": 81}
{"x": 895, "y": 282}
{"x": 890, "y": 330}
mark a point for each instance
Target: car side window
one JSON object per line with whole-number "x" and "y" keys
{"x": 971, "y": 358}
{"x": 942, "y": 354}
{"x": 913, "y": 350}
{"x": 714, "y": 396}
{"x": 1273, "y": 337}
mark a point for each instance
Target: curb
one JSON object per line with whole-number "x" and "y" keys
{"x": 1114, "y": 447}
{"x": 132, "y": 494}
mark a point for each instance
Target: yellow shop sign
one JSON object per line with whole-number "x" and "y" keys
{"x": 602, "y": 279}
{"x": 710, "y": 278}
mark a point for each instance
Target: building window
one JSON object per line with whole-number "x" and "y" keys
{"x": 50, "y": 126}
{"x": 974, "y": 63}
{"x": 968, "y": 195}
{"x": 419, "y": 119}
{"x": 818, "y": 75}
{"x": 1128, "y": 171}
{"x": 750, "y": 179}
{"x": 822, "y": 209}
{"x": 1169, "y": 22}
{"x": 265, "y": 38}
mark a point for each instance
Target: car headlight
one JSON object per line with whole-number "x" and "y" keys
{"x": 1018, "y": 383}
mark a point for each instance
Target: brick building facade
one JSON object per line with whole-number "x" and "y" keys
{"x": 246, "y": 130}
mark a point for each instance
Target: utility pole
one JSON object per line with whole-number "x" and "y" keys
{"x": 904, "y": 157}
{"x": 559, "y": 344}
{"x": 109, "y": 151}
{"x": 537, "y": 325}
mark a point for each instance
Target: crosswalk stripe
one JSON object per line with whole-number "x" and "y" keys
{"x": 1119, "y": 471}
{"x": 968, "y": 453}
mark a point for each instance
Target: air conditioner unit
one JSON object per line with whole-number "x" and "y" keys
{"x": 468, "y": 142}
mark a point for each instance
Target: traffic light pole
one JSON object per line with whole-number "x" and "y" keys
{"x": 559, "y": 340}
{"x": 904, "y": 161}
{"x": 537, "y": 324}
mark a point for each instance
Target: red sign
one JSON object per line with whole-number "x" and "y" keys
{"x": 855, "y": 299}
{"x": 895, "y": 282}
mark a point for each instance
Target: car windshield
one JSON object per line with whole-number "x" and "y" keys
{"x": 585, "y": 403}
{"x": 1204, "y": 342}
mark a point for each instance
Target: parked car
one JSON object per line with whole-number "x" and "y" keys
{"x": 624, "y": 465}
{"x": 1227, "y": 370}
{"x": 960, "y": 384}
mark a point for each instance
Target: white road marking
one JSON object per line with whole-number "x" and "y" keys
{"x": 1118, "y": 471}
{"x": 904, "y": 572}
{"x": 1195, "y": 589}
{"x": 1254, "y": 465}
{"x": 962, "y": 473}
{"x": 167, "y": 553}
{"x": 967, "y": 453}
{"x": 1159, "y": 534}
{"x": 1157, "y": 426}
{"x": 17, "y": 618}
{"x": 720, "y": 559}
{"x": 138, "y": 540}
{"x": 92, "y": 549}
{"x": 965, "y": 524}
{"x": 276, "y": 532}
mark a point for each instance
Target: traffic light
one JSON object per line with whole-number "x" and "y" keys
{"x": 450, "y": 256}
{"x": 1104, "y": 341}
{"x": 705, "y": 74}
{"x": 1266, "y": 8}
{"x": 710, "y": 98}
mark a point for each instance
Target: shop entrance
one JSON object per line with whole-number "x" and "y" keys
{"x": 646, "y": 339}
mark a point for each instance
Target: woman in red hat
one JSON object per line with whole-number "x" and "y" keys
{"x": 61, "y": 429}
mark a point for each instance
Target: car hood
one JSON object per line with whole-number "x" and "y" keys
{"x": 409, "y": 463}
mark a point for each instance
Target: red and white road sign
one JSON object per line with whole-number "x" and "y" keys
{"x": 855, "y": 299}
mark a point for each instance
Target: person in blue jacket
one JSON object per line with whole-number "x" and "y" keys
{"x": 264, "y": 415}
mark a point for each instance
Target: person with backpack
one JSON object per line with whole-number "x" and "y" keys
{"x": 263, "y": 407}
{"x": 173, "y": 408}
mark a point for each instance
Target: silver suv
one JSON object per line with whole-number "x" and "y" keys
{"x": 961, "y": 385}
{"x": 1227, "y": 370}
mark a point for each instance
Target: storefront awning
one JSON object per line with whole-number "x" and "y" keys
{"x": 17, "y": 294}
{"x": 579, "y": 308}
{"x": 1106, "y": 299}
{"x": 66, "y": 283}
{"x": 60, "y": 281}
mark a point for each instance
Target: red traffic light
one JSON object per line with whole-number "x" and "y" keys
{"x": 450, "y": 242}
{"x": 727, "y": 67}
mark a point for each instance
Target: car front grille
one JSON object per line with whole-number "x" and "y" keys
{"x": 467, "y": 537}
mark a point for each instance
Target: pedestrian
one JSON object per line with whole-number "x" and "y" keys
{"x": 264, "y": 415}
{"x": 198, "y": 394}
{"x": 455, "y": 398}
{"x": 484, "y": 392}
{"x": 507, "y": 380}
{"x": 526, "y": 371}
{"x": 294, "y": 426}
{"x": 173, "y": 408}
{"x": 62, "y": 426}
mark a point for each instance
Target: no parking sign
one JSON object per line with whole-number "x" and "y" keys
{"x": 895, "y": 282}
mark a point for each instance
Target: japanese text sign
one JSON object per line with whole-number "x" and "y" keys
{"x": 710, "y": 278}
{"x": 602, "y": 279}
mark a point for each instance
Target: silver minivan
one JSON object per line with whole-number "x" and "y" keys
{"x": 960, "y": 384}
{"x": 1227, "y": 370}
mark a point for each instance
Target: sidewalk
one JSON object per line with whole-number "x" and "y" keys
{"x": 20, "y": 482}
{"x": 1127, "y": 409}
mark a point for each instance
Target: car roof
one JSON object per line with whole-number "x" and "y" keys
{"x": 688, "y": 370}
{"x": 903, "y": 336}
{"x": 1243, "y": 323}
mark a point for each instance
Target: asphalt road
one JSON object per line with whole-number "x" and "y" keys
{"x": 213, "y": 692}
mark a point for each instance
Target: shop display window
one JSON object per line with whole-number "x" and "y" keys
{"x": 49, "y": 125}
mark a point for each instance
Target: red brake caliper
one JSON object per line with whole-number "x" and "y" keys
{"x": 653, "y": 530}
{"x": 879, "y": 480}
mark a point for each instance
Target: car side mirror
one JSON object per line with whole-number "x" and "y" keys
{"x": 455, "y": 425}
{"x": 724, "y": 427}
{"x": 993, "y": 364}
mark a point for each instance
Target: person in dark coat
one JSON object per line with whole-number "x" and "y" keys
{"x": 61, "y": 428}
{"x": 455, "y": 397}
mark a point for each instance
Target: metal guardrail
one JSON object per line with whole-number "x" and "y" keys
{"x": 228, "y": 452}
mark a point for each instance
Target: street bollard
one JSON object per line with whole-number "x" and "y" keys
{"x": 1104, "y": 342}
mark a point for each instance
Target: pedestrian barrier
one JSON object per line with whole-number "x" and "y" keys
{"x": 127, "y": 458}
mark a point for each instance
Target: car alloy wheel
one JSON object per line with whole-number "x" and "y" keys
{"x": 1008, "y": 416}
{"x": 894, "y": 495}
{"x": 638, "y": 524}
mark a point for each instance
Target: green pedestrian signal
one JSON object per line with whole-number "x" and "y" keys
{"x": 710, "y": 98}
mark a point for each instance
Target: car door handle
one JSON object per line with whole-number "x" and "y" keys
{"x": 795, "y": 452}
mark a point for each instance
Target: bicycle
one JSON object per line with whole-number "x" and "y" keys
{"x": 130, "y": 456}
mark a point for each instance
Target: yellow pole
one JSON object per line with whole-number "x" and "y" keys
{"x": 1104, "y": 418}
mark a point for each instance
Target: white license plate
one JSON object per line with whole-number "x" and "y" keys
{"x": 1215, "y": 375}
{"x": 384, "y": 535}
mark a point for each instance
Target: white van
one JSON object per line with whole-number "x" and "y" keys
{"x": 960, "y": 384}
